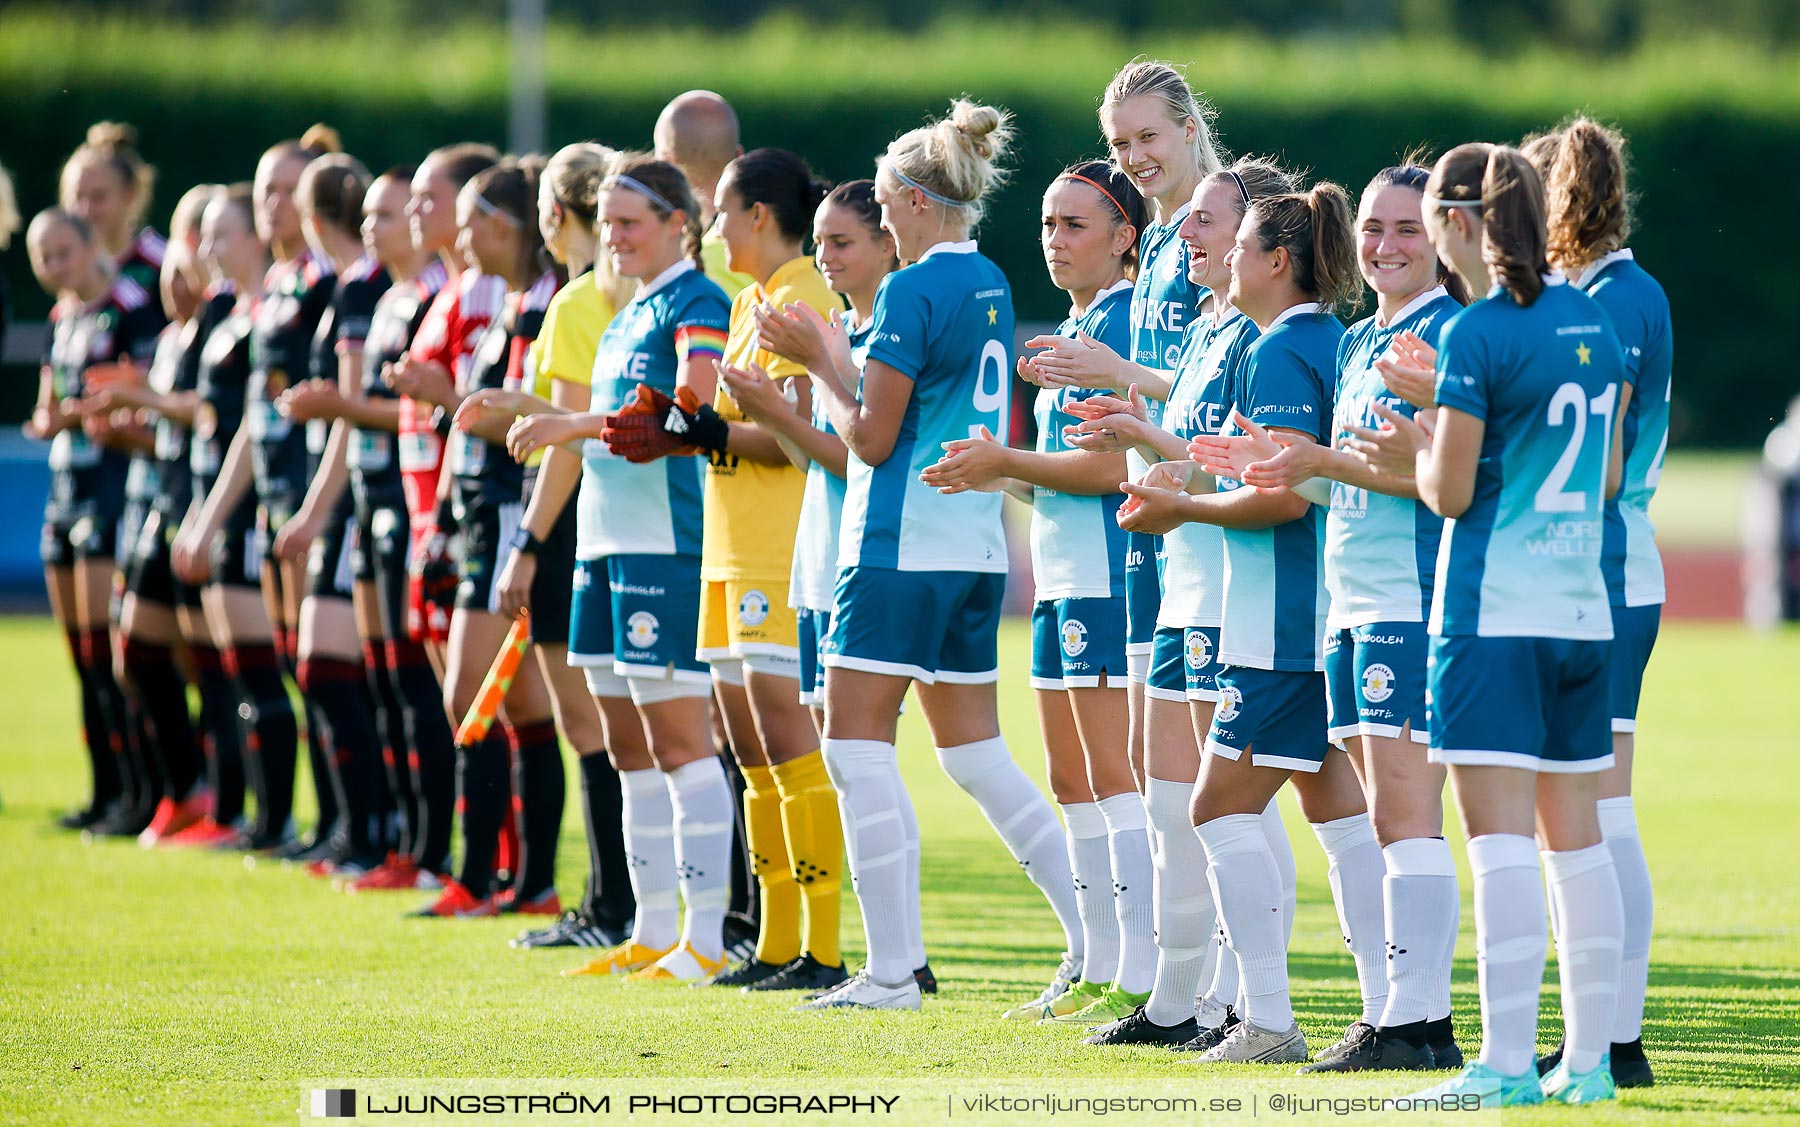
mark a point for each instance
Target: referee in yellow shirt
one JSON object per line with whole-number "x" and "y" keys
{"x": 765, "y": 202}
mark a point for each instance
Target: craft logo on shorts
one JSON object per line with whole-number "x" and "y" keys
{"x": 1378, "y": 683}
{"x": 753, "y": 608}
{"x": 1198, "y": 648}
{"x": 1231, "y": 699}
{"x": 1074, "y": 637}
{"x": 334, "y": 1103}
{"x": 642, "y": 630}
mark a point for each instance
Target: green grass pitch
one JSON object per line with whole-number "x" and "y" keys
{"x": 162, "y": 988}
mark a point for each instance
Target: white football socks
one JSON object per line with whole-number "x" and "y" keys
{"x": 1422, "y": 908}
{"x": 701, "y": 798}
{"x": 867, "y": 776}
{"x": 1247, "y": 888}
{"x": 1282, "y": 850}
{"x": 1511, "y": 918}
{"x": 1184, "y": 913}
{"x": 1134, "y": 885}
{"x": 649, "y": 818}
{"x": 1619, "y": 829}
{"x": 1091, "y": 862}
{"x": 1590, "y": 928}
{"x": 1025, "y": 821}
{"x": 1355, "y": 875}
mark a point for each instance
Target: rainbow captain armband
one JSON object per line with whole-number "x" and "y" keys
{"x": 699, "y": 342}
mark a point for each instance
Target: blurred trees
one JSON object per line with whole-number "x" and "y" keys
{"x": 1596, "y": 25}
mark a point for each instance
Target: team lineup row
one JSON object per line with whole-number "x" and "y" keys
{"x": 749, "y": 496}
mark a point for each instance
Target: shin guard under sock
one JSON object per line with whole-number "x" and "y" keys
{"x": 162, "y": 695}
{"x": 395, "y": 798}
{"x": 431, "y": 754}
{"x": 481, "y": 786}
{"x": 271, "y": 737}
{"x": 220, "y": 734}
{"x": 339, "y": 691}
{"x": 609, "y": 897}
{"x": 539, "y": 792}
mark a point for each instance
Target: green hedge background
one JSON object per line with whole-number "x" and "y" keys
{"x": 1714, "y": 126}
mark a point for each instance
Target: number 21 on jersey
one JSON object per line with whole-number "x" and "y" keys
{"x": 1566, "y": 409}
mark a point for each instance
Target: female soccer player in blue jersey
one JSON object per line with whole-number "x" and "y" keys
{"x": 921, "y": 574}
{"x": 1091, "y": 220}
{"x": 637, "y": 581}
{"x": 1589, "y": 224}
{"x": 1292, "y": 263}
{"x": 1516, "y": 457}
{"x": 1181, "y": 688}
{"x": 854, "y": 254}
{"x": 1160, "y": 137}
{"x": 1380, "y": 551}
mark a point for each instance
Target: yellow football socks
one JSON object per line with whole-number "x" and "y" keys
{"x": 779, "y": 940}
{"x": 815, "y": 840}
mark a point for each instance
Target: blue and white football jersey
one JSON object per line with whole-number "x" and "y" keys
{"x": 1163, "y": 304}
{"x": 1275, "y": 600}
{"x": 1077, "y": 546}
{"x": 1194, "y": 553}
{"x": 813, "y": 582}
{"x": 1640, "y": 315}
{"x": 1524, "y": 560}
{"x": 1380, "y": 551}
{"x": 655, "y": 508}
{"x": 946, "y": 321}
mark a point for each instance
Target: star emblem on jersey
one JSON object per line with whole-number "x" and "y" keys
{"x": 753, "y": 608}
{"x": 1198, "y": 649}
{"x": 1378, "y": 683}
{"x": 642, "y": 630}
{"x": 1583, "y": 352}
{"x": 1074, "y": 637}
{"x": 1230, "y": 701}
{"x": 993, "y": 315}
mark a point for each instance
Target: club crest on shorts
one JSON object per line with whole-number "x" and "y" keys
{"x": 753, "y": 608}
{"x": 1074, "y": 637}
{"x": 1197, "y": 648}
{"x": 642, "y": 630}
{"x": 1231, "y": 699}
{"x": 1378, "y": 683}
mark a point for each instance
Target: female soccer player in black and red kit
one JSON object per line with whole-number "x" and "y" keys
{"x": 496, "y": 213}
{"x": 366, "y": 411}
{"x": 215, "y": 548}
{"x": 318, "y": 536}
{"x": 157, "y": 615}
{"x": 99, "y": 317}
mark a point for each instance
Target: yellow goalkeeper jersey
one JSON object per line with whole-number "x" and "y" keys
{"x": 752, "y": 508}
